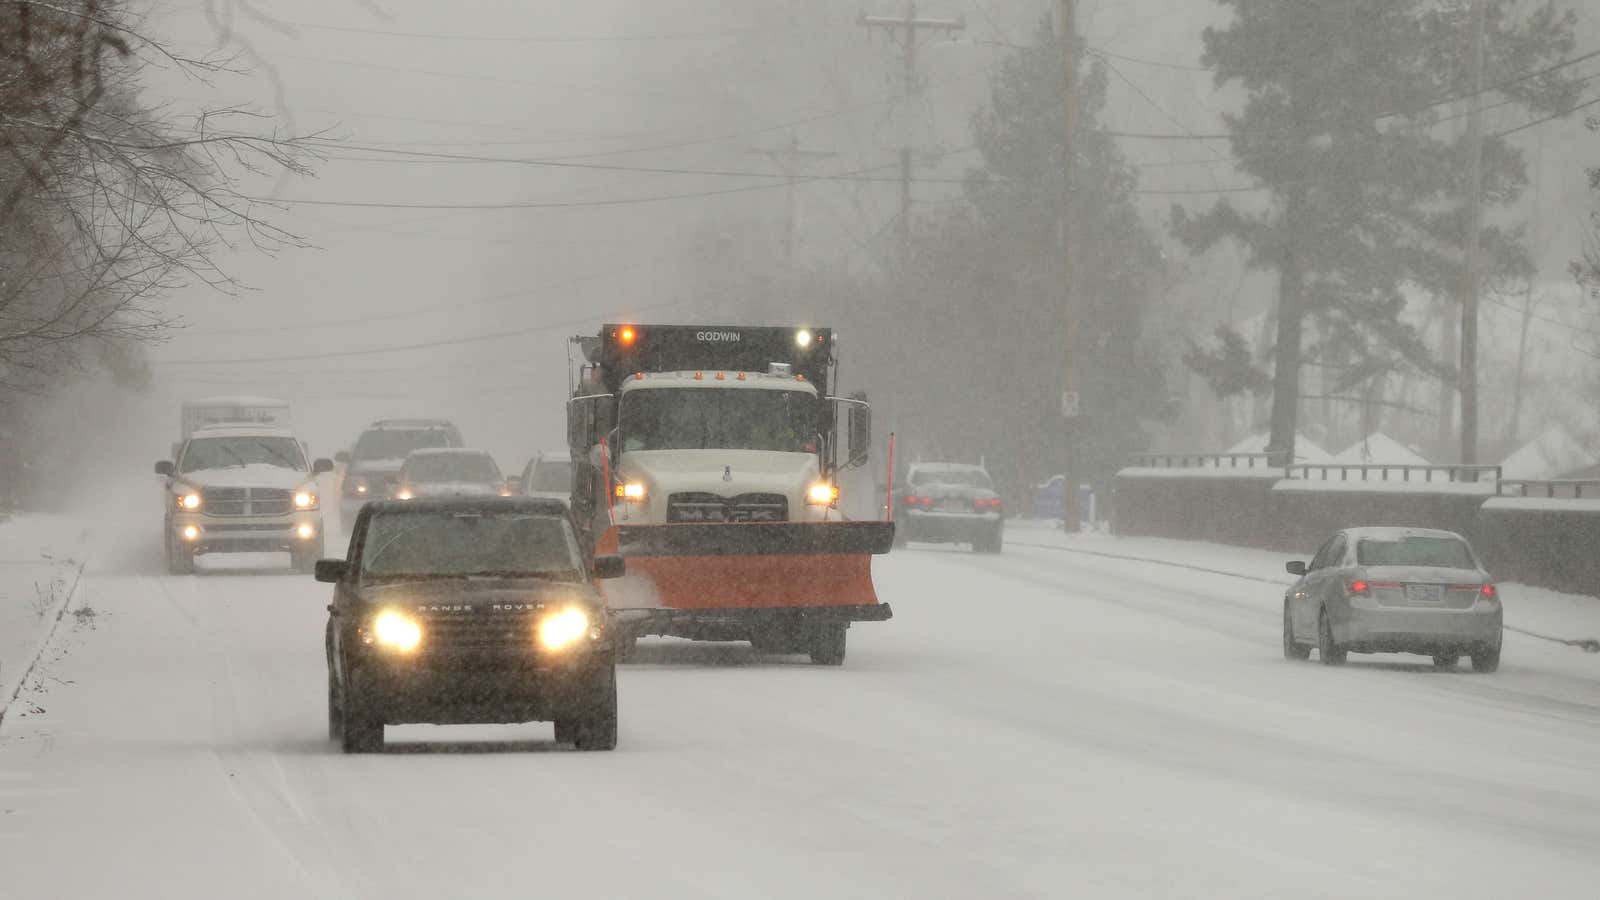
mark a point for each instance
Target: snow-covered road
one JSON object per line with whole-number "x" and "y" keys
{"x": 1043, "y": 723}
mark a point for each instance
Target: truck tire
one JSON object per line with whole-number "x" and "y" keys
{"x": 828, "y": 644}
{"x": 595, "y": 728}
{"x": 361, "y": 732}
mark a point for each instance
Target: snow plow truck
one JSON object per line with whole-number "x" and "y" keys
{"x": 709, "y": 457}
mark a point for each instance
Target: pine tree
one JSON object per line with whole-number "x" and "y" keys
{"x": 1351, "y": 125}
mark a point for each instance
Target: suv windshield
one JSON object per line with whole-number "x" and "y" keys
{"x": 397, "y": 443}
{"x": 460, "y": 543}
{"x": 552, "y": 475}
{"x": 236, "y": 452}
{"x": 713, "y": 419}
{"x": 962, "y": 477}
{"x": 1433, "y": 552}
{"x": 437, "y": 467}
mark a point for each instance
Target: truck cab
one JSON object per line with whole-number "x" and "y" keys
{"x": 241, "y": 488}
{"x": 720, "y": 447}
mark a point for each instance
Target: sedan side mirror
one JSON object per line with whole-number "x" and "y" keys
{"x": 1295, "y": 568}
{"x": 322, "y": 465}
{"x": 343, "y": 456}
{"x": 610, "y": 567}
{"x": 332, "y": 571}
{"x": 164, "y": 468}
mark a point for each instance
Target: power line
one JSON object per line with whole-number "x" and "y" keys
{"x": 532, "y": 39}
{"x": 400, "y": 348}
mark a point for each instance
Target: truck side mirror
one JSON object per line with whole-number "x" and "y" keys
{"x": 588, "y": 417}
{"x": 859, "y": 422}
{"x": 321, "y": 465}
{"x": 343, "y": 456}
{"x": 164, "y": 467}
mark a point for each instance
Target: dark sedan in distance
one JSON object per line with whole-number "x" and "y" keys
{"x": 468, "y": 610}
{"x": 1394, "y": 590}
{"x": 950, "y": 503}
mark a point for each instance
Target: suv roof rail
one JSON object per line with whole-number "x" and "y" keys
{"x": 411, "y": 423}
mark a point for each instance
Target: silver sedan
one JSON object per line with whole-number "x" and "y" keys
{"x": 1394, "y": 590}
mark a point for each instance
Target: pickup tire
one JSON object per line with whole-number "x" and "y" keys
{"x": 304, "y": 561}
{"x": 828, "y": 644}
{"x": 180, "y": 559}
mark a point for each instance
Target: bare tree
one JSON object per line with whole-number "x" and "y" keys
{"x": 106, "y": 204}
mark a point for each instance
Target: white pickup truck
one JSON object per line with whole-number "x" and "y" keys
{"x": 242, "y": 488}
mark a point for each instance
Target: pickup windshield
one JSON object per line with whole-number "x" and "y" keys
{"x": 719, "y": 419}
{"x": 445, "y": 544}
{"x": 203, "y": 454}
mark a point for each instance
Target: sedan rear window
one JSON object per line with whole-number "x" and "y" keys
{"x": 958, "y": 477}
{"x": 1429, "y": 552}
{"x": 448, "y": 467}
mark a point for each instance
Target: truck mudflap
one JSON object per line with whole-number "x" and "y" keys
{"x": 789, "y": 566}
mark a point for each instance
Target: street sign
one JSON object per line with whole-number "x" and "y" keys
{"x": 1069, "y": 404}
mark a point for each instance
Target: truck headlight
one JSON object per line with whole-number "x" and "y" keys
{"x": 396, "y": 631}
{"x": 189, "y": 501}
{"x": 563, "y": 629}
{"x": 305, "y": 500}
{"x": 632, "y": 491}
{"x": 823, "y": 494}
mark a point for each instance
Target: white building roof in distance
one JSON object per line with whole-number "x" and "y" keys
{"x": 1305, "y": 449}
{"x": 1380, "y": 449}
{"x": 1552, "y": 454}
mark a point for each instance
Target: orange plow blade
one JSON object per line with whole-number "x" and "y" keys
{"x": 768, "y": 566}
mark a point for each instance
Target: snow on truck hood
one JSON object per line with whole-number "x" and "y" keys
{"x": 247, "y": 476}
{"x": 724, "y": 472}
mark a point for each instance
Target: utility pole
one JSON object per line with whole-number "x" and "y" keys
{"x": 1067, "y": 35}
{"x": 905, "y": 29}
{"x": 789, "y": 158}
{"x": 1471, "y": 285}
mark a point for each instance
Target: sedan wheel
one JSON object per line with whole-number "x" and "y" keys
{"x": 1328, "y": 651}
{"x": 1487, "y": 660}
{"x": 1291, "y": 649}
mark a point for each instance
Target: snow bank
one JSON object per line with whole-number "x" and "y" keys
{"x": 39, "y": 565}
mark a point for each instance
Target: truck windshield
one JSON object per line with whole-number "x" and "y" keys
{"x": 719, "y": 419}
{"x": 397, "y": 443}
{"x": 440, "y": 467}
{"x": 236, "y": 452}
{"x": 458, "y": 544}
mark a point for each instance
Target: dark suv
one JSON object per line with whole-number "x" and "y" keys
{"x": 468, "y": 610}
{"x": 373, "y": 461}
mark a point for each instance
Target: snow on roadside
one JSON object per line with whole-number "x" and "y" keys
{"x": 40, "y": 557}
{"x": 1552, "y": 613}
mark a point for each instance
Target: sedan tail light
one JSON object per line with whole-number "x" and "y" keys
{"x": 1489, "y": 591}
{"x": 1358, "y": 587}
{"x": 986, "y": 503}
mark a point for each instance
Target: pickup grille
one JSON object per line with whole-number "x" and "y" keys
{"x": 696, "y": 507}
{"x": 247, "y": 502}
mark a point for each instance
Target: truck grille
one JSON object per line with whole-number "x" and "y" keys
{"x": 247, "y": 502}
{"x": 695, "y": 507}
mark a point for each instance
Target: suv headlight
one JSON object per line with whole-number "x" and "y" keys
{"x": 563, "y": 629}
{"x": 395, "y": 631}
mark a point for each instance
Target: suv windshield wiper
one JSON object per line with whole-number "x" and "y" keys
{"x": 415, "y": 576}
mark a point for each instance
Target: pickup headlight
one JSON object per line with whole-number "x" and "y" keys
{"x": 563, "y": 629}
{"x": 822, "y": 494}
{"x": 188, "y": 501}
{"x": 395, "y": 631}
{"x": 305, "y": 500}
